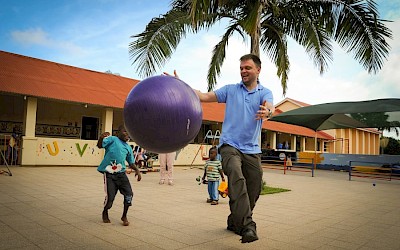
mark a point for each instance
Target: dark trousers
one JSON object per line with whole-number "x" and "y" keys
{"x": 113, "y": 183}
{"x": 244, "y": 186}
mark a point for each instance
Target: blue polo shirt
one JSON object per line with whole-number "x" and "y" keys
{"x": 240, "y": 128}
{"x": 117, "y": 152}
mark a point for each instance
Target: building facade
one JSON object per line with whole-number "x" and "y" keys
{"x": 59, "y": 111}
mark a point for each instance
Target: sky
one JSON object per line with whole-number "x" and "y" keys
{"x": 95, "y": 35}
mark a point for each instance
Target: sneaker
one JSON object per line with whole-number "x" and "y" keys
{"x": 214, "y": 203}
{"x": 125, "y": 221}
{"x": 161, "y": 182}
{"x": 249, "y": 236}
{"x": 105, "y": 217}
{"x": 170, "y": 182}
{"x": 209, "y": 200}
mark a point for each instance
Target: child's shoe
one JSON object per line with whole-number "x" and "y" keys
{"x": 209, "y": 200}
{"x": 125, "y": 221}
{"x": 105, "y": 217}
{"x": 214, "y": 203}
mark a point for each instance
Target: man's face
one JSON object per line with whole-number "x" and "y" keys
{"x": 123, "y": 135}
{"x": 249, "y": 72}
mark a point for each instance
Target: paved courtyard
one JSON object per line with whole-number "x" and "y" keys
{"x": 60, "y": 208}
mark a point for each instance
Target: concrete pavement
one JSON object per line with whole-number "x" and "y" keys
{"x": 60, "y": 208}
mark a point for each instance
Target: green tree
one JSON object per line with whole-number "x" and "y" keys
{"x": 314, "y": 24}
{"x": 379, "y": 120}
{"x": 392, "y": 148}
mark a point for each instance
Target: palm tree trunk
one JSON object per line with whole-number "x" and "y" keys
{"x": 255, "y": 44}
{"x": 255, "y": 37}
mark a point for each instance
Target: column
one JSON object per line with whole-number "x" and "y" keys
{"x": 107, "y": 120}
{"x": 29, "y": 141}
{"x": 273, "y": 143}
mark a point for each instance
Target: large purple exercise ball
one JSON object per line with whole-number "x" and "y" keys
{"x": 162, "y": 114}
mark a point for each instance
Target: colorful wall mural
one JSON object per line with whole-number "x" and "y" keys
{"x": 73, "y": 152}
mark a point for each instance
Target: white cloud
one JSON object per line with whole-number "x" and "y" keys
{"x": 32, "y": 36}
{"x": 37, "y": 37}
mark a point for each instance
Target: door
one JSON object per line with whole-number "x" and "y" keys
{"x": 90, "y": 128}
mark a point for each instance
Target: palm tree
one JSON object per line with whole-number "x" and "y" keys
{"x": 379, "y": 120}
{"x": 314, "y": 24}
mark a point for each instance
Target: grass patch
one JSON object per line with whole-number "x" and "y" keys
{"x": 272, "y": 190}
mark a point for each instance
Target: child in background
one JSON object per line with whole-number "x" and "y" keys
{"x": 140, "y": 160}
{"x": 289, "y": 163}
{"x": 212, "y": 170}
{"x": 167, "y": 167}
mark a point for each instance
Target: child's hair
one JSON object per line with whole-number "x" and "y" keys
{"x": 121, "y": 127}
{"x": 212, "y": 148}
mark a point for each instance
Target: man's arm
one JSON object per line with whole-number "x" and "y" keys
{"x": 270, "y": 106}
{"x": 206, "y": 97}
{"x": 100, "y": 141}
{"x": 222, "y": 174}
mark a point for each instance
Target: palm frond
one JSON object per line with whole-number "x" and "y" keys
{"x": 218, "y": 56}
{"x": 200, "y": 10}
{"x": 249, "y": 18}
{"x": 153, "y": 47}
{"x": 274, "y": 44}
{"x": 310, "y": 24}
{"x": 361, "y": 32}
{"x": 204, "y": 13}
{"x": 314, "y": 24}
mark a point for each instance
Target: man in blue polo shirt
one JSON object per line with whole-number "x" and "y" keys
{"x": 248, "y": 104}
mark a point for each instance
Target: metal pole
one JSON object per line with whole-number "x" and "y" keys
{"x": 315, "y": 152}
{"x": 349, "y": 170}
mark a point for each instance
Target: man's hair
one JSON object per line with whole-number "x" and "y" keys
{"x": 253, "y": 57}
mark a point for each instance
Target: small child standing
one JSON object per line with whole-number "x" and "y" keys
{"x": 212, "y": 170}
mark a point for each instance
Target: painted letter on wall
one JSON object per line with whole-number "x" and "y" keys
{"x": 79, "y": 148}
{"x": 55, "y": 148}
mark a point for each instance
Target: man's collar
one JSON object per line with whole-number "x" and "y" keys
{"x": 259, "y": 86}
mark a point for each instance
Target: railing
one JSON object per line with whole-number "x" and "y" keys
{"x": 281, "y": 163}
{"x": 9, "y": 154}
{"x": 373, "y": 170}
{"x": 57, "y": 131}
{"x": 47, "y": 130}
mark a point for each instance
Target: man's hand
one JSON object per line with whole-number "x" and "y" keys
{"x": 264, "y": 113}
{"x": 175, "y": 74}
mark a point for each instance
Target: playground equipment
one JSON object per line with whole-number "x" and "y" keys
{"x": 6, "y": 163}
{"x": 204, "y": 147}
